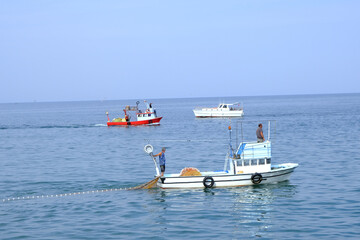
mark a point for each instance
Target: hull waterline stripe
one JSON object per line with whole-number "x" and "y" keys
{"x": 244, "y": 174}
{"x": 234, "y": 180}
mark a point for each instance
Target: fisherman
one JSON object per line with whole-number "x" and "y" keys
{"x": 162, "y": 160}
{"x": 260, "y": 134}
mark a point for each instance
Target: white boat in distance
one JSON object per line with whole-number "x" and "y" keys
{"x": 249, "y": 164}
{"x": 223, "y": 110}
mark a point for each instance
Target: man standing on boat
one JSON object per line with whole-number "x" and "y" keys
{"x": 260, "y": 134}
{"x": 162, "y": 160}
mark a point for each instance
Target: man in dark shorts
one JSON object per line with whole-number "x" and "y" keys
{"x": 162, "y": 160}
{"x": 260, "y": 134}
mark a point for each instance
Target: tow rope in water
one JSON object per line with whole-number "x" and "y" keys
{"x": 182, "y": 140}
{"x": 62, "y": 195}
{"x": 147, "y": 185}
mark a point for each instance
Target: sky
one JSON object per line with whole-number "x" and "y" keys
{"x": 74, "y": 50}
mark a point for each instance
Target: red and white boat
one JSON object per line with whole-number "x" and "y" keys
{"x": 147, "y": 117}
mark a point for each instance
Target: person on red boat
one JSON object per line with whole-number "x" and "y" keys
{"x": 162, "y": 160}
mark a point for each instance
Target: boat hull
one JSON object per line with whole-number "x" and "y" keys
{"x": 154, "y": 121}
{"x": 278, "y": 173}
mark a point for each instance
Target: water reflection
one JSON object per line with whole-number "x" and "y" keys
{"x": 254, "y": 206}
{"x": 245, "y": 211}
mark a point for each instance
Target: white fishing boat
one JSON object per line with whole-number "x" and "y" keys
{"x": 223, "y": 110}
{"x": 249, "y": 164}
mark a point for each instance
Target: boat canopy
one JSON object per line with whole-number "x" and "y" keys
{"x": 252, "y": 150}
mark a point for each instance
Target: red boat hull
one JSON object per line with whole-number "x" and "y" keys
{"x": 144, "y": 122}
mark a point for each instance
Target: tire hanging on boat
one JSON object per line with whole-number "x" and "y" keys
{"x": 208, "y": 182}
{"x": 256, "y": 178}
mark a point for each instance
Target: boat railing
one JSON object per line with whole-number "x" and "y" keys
{"x": 140, "y": 113}
{"x": 235, "y": 108}
{"x": 230, "y": 106}
{"x": 201, "y": 108}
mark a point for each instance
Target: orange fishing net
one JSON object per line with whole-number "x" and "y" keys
{"x": 190, "y": 171}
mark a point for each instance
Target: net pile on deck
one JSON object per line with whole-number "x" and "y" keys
{"x": 190, "y": 171}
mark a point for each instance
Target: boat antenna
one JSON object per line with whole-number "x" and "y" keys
{"x": 237, "y": 134}
{"x": 230, "y": 147}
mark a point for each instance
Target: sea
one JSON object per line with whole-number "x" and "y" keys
{"x": 65, "y": 175}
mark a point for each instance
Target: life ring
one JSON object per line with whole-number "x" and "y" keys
{"x": 208, "y": 182}
{"x": 256, "y": 178}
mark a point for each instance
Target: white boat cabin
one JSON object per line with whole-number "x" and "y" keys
{"x": 251, "y": 157}
{"x": 148, "y": 114}
{"x": 222, "y": 107}
{"x": 229, "y": 107}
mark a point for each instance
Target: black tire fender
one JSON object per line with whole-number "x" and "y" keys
{"x": 208, "y": 182}
{"x": 256, "y": 178}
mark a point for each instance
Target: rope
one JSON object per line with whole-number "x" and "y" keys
{"x": 182, "y": 140}
{"x": 146, "y": 185}
{"x": 64, "y": 194}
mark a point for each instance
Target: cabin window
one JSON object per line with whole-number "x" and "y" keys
{"x": 239, "y": 163}
{"x": 246, "y": 162}
{"x": 149, "y": 115}
{"x": 261, "y": 161}
{"x": 225, "y": 106}
{"x": 268, "y": 160}
{"x": 253, "y": 162}
{"x": 220, "y": 106}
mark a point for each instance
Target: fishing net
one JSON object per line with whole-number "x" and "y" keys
{"x": 190, "y": 171}
{"x": 117, "y": 120}
{"x": 147, "y": 185}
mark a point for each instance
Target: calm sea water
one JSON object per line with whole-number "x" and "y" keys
{"x": 57, "y": 148}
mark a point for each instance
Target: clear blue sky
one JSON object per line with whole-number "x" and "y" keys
{"x": 94, "y": 50}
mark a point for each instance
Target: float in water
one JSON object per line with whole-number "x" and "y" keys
{"x": 146, "y": 117}
{"x": 249, "y": 164}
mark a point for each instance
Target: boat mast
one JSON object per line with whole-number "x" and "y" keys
{"x": 230, "y": 146}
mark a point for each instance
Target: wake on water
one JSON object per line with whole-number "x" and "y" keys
{"x": 100, "y": 125}
{"x": 52, "y": 126}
